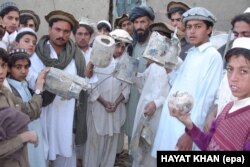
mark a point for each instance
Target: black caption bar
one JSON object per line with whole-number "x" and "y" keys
{"x": 200, "y": 158}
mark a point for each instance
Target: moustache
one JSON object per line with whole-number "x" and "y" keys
{"x": 60, "y": 39}
{"x": 139, "y": 30}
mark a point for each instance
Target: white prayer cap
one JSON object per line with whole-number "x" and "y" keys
{"x": 242, "y": 42}
{"x": 121, "y": 35}
{"x": 25, "y": 30}
{"x": 105, "y": 22}
{"x": 247, "y": 10}
{"x": 199, "y": 13}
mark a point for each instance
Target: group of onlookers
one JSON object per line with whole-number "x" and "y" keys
{"x": 40, "y": 128}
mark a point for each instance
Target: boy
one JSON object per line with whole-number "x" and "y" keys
{"x": 200, "y": 75}
{"x": 7, "y": 99}
{"x": 19, "y": 64}
{"x": 234, "y": 118}
{"x": 107, "y": 113}
{"x": 29, "y": 18}
{"x": 26, "y": 38}
{"x": 9, "y": 16}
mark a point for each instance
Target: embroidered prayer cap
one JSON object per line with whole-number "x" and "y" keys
{"x": 140, "y": 11}
{"x": 106, "y": 23}
{"x": 34, "y": 16}
{"x": 165, "y": 28}
{"x": 120, "y": 20}
{"x": 25, "y": 30}
{"x": 121, "y": 35}
{"x": 18, "y": 51}
{"x": 247, "y": 10}
{"x": 59, "y": 14}
{"x": 6, "y": 5}
{"x": 199, "y": 13}
{"x": 174, "y": 4}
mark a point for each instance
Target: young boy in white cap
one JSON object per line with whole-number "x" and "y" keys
{"x": 107, "y": 113}
{"x": 26, "y": 38}
{"x": 200, "y": 75}
{"x": 235, "y": 116}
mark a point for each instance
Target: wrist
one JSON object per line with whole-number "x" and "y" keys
{"x": 189, "y": 125}
{"x": 38, "y": 91}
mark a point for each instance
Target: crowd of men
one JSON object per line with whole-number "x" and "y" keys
{"x": 40, "y": 129}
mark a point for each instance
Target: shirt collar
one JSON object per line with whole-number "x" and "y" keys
{"x": 17, "y": 83}
{"x": 202, "y": 47}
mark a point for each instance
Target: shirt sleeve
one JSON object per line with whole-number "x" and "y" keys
{"x": 125, "y": 91}
{"x": 200, "y": 138}
{"x": 31, "y": 108}
{"x": 10, "y": 146}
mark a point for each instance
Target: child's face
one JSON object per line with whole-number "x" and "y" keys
{"x": 11, "y": 21}
{"x": 20, "y": 70}
{"x": 238, "y": 73}
{"x": 3, "y": 71}
{"x": 27, "y": 42}
{"x": 197, "y": 32}
{"x": 119, "y": 49}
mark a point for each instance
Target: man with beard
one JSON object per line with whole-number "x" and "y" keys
{"x": 142, "y": 17}
{"x": 59, "y": 51}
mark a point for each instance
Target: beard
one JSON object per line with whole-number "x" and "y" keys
{"x": 141, "y": 37}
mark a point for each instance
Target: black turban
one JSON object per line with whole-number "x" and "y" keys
{"x": 140, "y": 11}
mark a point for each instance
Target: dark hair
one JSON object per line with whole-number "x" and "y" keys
{"x": 18, "y": 56}
{"x": 237, "y": 52}
{"x": 209, "y": 24}
{"x": 103, "y": 25}
{"x": 52, "y": 21}
{"x": 241, "y": 17}
{"x": 20, "y": 35}
{"x": 88, "y": 28}
{"x": 175, "y": 10}
{"x": 5, "y": 11}
{"x": 25, "y": 18}
{"x": 4, "y": 55}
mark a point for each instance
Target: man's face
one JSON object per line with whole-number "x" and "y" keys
{"x": 241, "y": 29}
{"x": 82, "y": 37}
{"x": 60, "y": 33}
{"x": 141, "y": 25}
{"x": 176, "y": 21}
{"x": 128, "y": 26}
{"x": 11, "y": 21}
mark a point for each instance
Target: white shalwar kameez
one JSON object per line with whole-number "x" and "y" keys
{"x": 200, "y": 75}
{"x": 104, "y": 127}
{"x": 153, "y": 85}
{"x": 57, "y": 120}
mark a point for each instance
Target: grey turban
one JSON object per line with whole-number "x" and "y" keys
{"x": 140, "y": 11}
